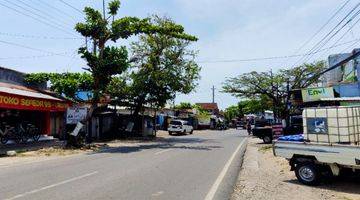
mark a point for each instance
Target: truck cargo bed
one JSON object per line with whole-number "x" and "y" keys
{"x": 344, "y": 155}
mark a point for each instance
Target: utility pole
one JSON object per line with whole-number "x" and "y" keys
{"x": 213, "y": 94}
{"x": 104, "y": 9}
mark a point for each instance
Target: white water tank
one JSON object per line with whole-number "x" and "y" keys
{"x": 332, "y": 124}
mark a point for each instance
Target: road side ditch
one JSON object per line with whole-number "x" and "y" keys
{"x": 264, "y": 176}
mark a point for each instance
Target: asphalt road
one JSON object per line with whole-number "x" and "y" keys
{"x": 201, "y": 166}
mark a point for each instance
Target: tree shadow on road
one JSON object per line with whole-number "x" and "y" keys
{"x": 169, "y": 143}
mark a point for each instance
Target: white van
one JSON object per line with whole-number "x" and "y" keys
{"x": 180, "y": 126}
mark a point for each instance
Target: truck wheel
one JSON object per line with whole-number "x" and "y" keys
{"x": 4, "y": 139}
{"x": 307, "y": 173}
{"x": 267, "y": 139}
{"x": 170, "y": 133}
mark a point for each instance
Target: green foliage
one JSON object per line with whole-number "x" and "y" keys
{"x": 104, "y": 61}
{"x": 257, "y": 85}
{"x": 114, "y": 7}
{"x": 63, "y": 83}
{"x": 250, "y": 106}
{"x": 184, "y": 105}
{"x": 201, "y": 113}
{"x": 253, "y": 106}
{"x": 162, "y": 66}
{"x": 232, "y": 112}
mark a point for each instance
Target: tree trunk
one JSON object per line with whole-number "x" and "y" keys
{"x": 137, "y": 110}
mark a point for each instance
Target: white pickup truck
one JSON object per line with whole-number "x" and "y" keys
{"x": 312, "y": 161}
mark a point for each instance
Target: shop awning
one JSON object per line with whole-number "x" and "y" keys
{"x": 24, "y": 98}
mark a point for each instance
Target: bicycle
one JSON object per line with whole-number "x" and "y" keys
{"x": 33, "y": 132}
{"x": 7, "y": 132}
{"x": 28, "y": 131}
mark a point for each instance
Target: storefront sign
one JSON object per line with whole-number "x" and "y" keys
{"x": 75, "y": 114}
{"x": 10, "y": 101}
{"x": 315, "y": 94}
{"x": 277, "y": 130}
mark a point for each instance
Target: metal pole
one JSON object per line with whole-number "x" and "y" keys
{"x": 213, "y": 94}
{"x": 104, "y": 9}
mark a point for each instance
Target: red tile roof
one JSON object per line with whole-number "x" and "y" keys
{"x": 208, "y": 106}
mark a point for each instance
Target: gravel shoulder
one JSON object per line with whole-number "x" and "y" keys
{"x": 264, "y": 176}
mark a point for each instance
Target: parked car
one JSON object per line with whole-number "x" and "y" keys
{"x": 180, "y": 126}
{"x": 263, "y": 128}
{"x": 240, "y": 125}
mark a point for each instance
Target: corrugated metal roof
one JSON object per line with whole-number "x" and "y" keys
{"x": 27, "y": 93}
{"x": 341, "y": 99}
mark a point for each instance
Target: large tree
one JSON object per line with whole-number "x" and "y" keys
{"x": 105, "y": 60}
{"x": 162, "y": 66}
{"x": 274, "y": 86}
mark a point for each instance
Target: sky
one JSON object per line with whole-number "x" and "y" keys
{"x": 38, "y": 35}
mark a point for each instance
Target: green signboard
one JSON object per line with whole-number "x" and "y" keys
{"x": 315, "y": 94}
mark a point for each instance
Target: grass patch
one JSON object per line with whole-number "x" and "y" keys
{"x": 265, "y": 148}
{"x": 20, "y": 151}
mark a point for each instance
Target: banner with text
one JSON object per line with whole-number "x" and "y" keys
{"x": 11, "y": 101}
{"x": 315, "y": 94}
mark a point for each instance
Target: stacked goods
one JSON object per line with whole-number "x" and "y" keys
{"x": 332, "y": 125}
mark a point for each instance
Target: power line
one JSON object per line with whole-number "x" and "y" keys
{"x": 278, "y": 57}
{"x": 39, "y": 36}
{"x": 351, "y": 46}
{"x": 71, "y": 6}
{"x": 356, "y": 41}
{"x": 34, "y": 18}
{"x": 321, "y": 28}
{"x": 56, "y": 9}
{"x": 39, "y": 15}
{"x": 34, "y": 56}
{"x": 329, "y": 33}
{"x": 44, "y": 13}
{"x": 323, "y": 43}
{"x": 27, "y": 47}
{"x": 341, "y": 37}
{"x": 326, "y": 37}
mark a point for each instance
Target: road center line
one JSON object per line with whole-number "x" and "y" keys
{"x": 163, "y": 151}
{"x": 52, "y": 186}
{"x": 222, "y": 174}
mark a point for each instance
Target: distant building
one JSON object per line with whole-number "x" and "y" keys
{"x": 212, "y": 108}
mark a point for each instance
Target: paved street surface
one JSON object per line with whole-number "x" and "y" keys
{"x": 200, "y": 166}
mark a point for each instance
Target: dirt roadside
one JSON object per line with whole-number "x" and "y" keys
{"x": 264, "y": 176}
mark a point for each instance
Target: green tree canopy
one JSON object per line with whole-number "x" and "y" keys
{"x": 231, "y": 113}
{"x": 253, "y": 106}
{"x": 104, "y": 60}
{"x": 66, "y": 84}
{"x": 184, "y": 105}
{"x": 162, "y": 66}
{"x": 274, "y": 86}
